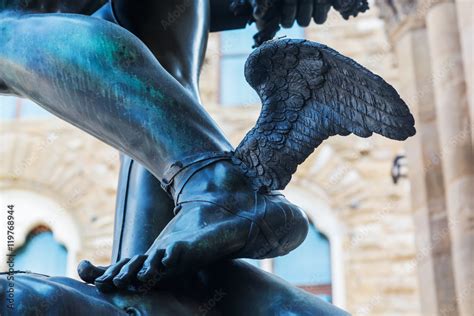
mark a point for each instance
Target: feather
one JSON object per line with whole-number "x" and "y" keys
{"x": 310, "y": 92}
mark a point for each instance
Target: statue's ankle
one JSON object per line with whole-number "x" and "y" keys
{"x": 204, "y": 172}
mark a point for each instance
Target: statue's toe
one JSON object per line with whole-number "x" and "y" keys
{"x": 104, "y": 283}
{"x": 152, "y": 267}
{"x": 173, "y": 254}
{"x": 128, "y": 273}
{"x": 89, "y": 272}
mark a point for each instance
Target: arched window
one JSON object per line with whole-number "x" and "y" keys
{"x": 41, "y": 253}
{"x": 235, "y": 47}
{"x": 308, "y": 266}
{"x": 12, "y": 108}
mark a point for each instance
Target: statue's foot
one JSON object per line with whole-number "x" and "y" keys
{"x": 219, "y": 217}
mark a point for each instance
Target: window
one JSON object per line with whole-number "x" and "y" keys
{"x": 308, "y": 266}
{"x": 236, "y": 45}
{"x": 41, "y": 253}
{"x": 17, "y": 108}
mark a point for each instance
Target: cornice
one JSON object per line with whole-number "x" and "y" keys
{"x": 402, "y": 16}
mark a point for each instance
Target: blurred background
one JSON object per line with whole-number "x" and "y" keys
{"x": 392, "y": 224}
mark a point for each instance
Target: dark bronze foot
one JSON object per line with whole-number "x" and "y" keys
{"x": 218, "y": 216}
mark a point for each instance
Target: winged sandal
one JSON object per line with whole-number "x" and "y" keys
{"x": 309, "y": 92}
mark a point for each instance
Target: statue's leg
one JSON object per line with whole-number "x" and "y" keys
{"x": 104, "y": 80}
{"x": 243, "y": 289}
{"x": 227, "y": 288}
{"x": 143, "y": 208}
{"x": 180, "y": 50}
{"x": 32, "y": 294}
{"x": 176, "y": 33}
{"x": 28, "y": 294}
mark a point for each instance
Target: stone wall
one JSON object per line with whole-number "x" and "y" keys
{"x": 70, "y": 168}
{"x": 434, "y": 44}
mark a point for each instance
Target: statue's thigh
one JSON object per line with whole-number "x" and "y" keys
{"x": 31, "y": 294}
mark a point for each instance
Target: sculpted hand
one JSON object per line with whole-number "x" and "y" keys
{"x": 270, "y": 14}
{"x": 289, "y": 11}
{"x": 302, "y": 11}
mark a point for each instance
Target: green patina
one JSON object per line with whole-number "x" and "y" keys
{"x": 104, "y": 46}
{"x": 94, "y": 57}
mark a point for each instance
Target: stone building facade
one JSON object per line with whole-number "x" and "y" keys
{"x": 396, "y": 248}
{"x": 434, "y": 48}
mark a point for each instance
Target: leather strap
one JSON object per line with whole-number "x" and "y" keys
{"x": 192, "y": 164}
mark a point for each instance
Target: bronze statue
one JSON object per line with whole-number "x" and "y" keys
{"x": 188, "y": 202}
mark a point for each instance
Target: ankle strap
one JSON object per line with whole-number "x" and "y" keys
{"x": 198, "y": 162}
